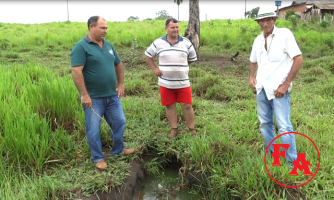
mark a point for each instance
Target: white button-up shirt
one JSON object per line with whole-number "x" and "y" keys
{"x": 274, "y": 64}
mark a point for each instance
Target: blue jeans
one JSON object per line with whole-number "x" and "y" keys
{"x": 111, "y": 108}
{"x": 280, "y": 108}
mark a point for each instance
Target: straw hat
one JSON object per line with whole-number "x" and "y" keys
{"x": 265, "y": 15}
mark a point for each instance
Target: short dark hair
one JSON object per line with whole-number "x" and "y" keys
{"x": 171, "y": 19}
{"x": 92, "y": 21}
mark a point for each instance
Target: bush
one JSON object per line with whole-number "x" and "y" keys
{"x": 289, "y": 13}
{"x": 315, "y": 19}
{"x": 4, "y": 43}
{"x": 291, "y": 16}
{"x": 324, "y": 24}
{"x": 329, "y": 41}
{"x": 293, "y": 20}
{"x": 328, "y": 17}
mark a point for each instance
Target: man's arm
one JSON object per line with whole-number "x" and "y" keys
{"x": 155, "y": 69}
{"x": 79, "y": 82}
{"x": 120, "y": 79}
{"x": 297, "y": 63}
{"x": 252, "y": 70}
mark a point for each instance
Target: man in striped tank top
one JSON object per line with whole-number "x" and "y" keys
{"x": 175, "y": 53}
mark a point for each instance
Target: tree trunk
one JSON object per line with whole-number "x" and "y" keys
{"x": 193, "y": 30}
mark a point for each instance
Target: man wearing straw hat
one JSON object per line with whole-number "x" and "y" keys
{"x": 277, "y": 58}
{"x": 98, "y": 74}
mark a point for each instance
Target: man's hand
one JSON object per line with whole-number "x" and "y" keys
{"x": 157, "y": 72}
{"x": 252, "y": 82}
{"x": 86, "y": 101}
{"x": 120, "y": 90}
{"x": 281, "y": 90}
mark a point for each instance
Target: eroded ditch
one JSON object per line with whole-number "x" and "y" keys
{"x": 139, "y": 186}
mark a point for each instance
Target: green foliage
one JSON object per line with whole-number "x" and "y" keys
{"x": 291, "y": 16}
{"x": 132, "y": 18}
{"x": 329, "y": 41}
{"x": 315, "y": 19}
{"x": 178, "y": 2}
{"x": 4, "y": 43}
{"x": 289, "y": 13}
{"x": 42, "y": 131}
{"x": 162, "y": 15}
{"x": 324, "y": 24}
{"x": 294, "y": 21}
{"x": 229, "y": 21}
{"x": 132, "y": 52}
{"x": 243, "y": 29}
{"x": 328, "y": 17}
{"x": 252, "y": 13}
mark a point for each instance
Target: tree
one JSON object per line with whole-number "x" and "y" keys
{"x": 178, "y": 2}
{"x": 289, "y": 13}
{"x": 193, "y": 30}
{"x": 248, "y": 14}
{"x": 132, "y": 18}
{"x": 162, "y": 15}
{"x": 253, "y": 13}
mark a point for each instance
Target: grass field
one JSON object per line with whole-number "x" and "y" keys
{"x": 44, "y": 153}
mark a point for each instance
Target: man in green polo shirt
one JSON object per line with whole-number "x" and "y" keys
{"x": 98, "y": 74}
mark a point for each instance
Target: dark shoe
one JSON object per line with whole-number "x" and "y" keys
{"x": 101, "y": 165}
{"x": 173, "y": 133}
{"x": 128, "y": 151}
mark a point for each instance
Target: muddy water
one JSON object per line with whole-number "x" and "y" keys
{"x": 165, "y": 186}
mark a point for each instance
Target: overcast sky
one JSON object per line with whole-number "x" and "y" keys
{"x": 42, "y": 11}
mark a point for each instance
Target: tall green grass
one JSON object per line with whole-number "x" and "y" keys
{"x": 43, "y": 148}
{"x": 27, "y": 113}
{"x": 233, "y": 35}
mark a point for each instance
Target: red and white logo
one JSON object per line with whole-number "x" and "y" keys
{"x": 301, "y": 164}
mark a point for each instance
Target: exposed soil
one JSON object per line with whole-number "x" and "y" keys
{"x": 216, "y": 60}
{"x": 222, "y": 60}
{"x": 137, "y": 179}
{"x": 127, "y": 191}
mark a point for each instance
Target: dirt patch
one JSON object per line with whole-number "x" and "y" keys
{"x": 291, "y": 193}
{"x": 223, "y": 60}
{"x": 198, "y": 181}
{"x": 218, "y": 61}
{"x": 137, "y": 179}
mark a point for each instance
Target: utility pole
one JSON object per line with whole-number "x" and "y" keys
{"x": 68, "y": 15}
{"x": 278, "y": 4}
{"x": 245, "y": 9}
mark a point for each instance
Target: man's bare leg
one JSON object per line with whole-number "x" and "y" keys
{"x": 189, "y": 115}
{"x": 172, "y": 118}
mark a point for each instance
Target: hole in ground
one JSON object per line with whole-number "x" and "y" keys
{"x": 166, "y": 179}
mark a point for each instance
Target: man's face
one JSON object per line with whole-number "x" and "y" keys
{"x": 100, "y": 30}
{"x": 172, "y": 29}
{"x": 267, "y": 25}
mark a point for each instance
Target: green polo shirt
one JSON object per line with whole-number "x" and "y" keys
{"x": 99, "y": 66}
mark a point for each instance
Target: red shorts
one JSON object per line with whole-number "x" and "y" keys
{"x": 170, "y": 96}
